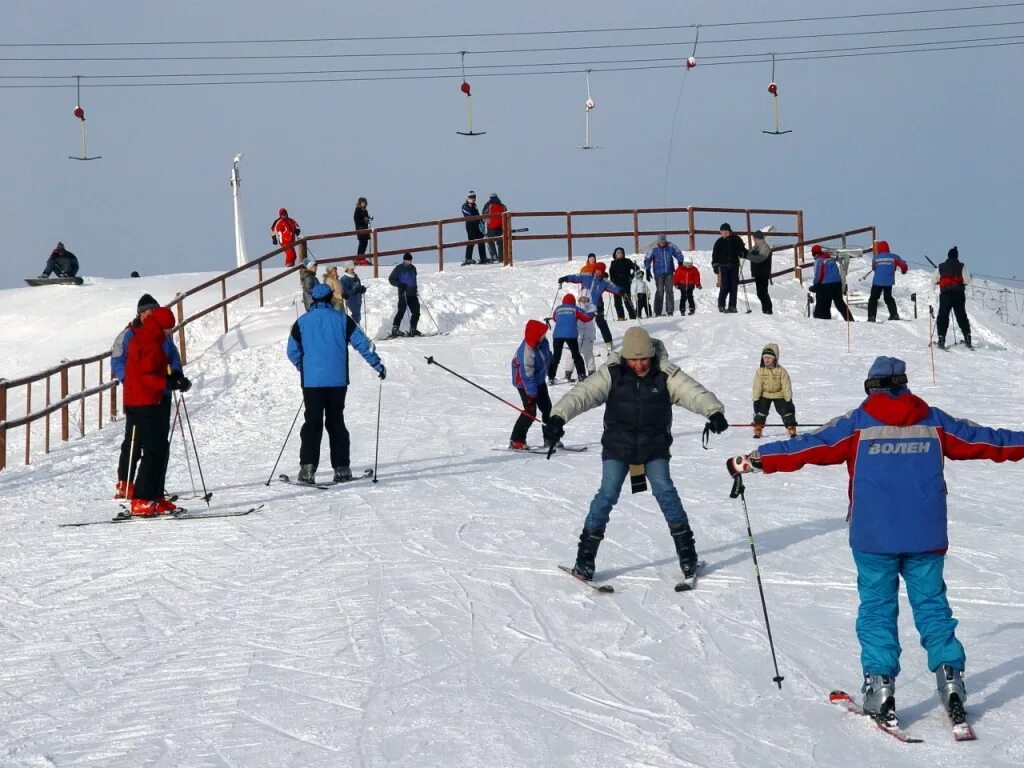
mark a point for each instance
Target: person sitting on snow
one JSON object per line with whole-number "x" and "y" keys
{"x": 62, "y": 263}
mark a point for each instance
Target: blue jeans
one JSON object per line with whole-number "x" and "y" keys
{"x": 613, "y": 474}
{"x": 878, "y": 583}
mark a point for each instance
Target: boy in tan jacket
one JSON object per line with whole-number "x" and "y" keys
{"x": 772, "y": 385}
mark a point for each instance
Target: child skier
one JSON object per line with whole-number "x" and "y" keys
{"x": 894, "y": 445}
{"x": 529, "y": 367}
{"x": 686, "y": 278}
{"x": 585, "y": 335}
{"x": 772, "y": 386}
{"x": 640, "y": 301}
{"x": 596, "y": 284}
{"x": 567, "y": 318}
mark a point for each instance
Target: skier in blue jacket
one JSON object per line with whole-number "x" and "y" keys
{"x": 318, "y": 347}
{"x": 596, "y": 284}
{"x": 894, "y": 446}
{"x": 883, "y": 266}
{"x": 352, "y": 290}
{"x": 131, "y": 447}
{"x": 827, "y": 286}
{"x": 529, "y": 367}
{"x": 662, "y": 262}
{"x": 403, "y": 277}
{"x": 567, "y": 318}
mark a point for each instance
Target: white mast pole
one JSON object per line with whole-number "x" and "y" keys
{"x": 236, "y": 192}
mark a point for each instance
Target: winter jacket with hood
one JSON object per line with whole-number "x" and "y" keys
{"x": 772, "y": 381}
{"x": 284, "y": 229}
{"x": 595, "y": 286}
{"x": 662, "y": 259}
{"x": 567, "y": 317}
{"x": 494, "y": 209}
{"x": 687, "y": 274}
{"x": 760, "y": 258}
{"x": 532, "y": 358}
{"x": 147, "y": 364}
{"x": 893, "y": 446}
{"x": 638, "y": 414}
{"x": 952, "y": 275}
{"x": 119, "y": 350}
{"x": 885, "y": 264}
{"x": 826, "y": 269}
{"x": 621, "y": 272}
{"x": 728, "y": 251}
{"x": 332, "y": 281}
{"x": 403, "y": 276}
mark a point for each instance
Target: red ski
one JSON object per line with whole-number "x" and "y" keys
{"x": 843, "y": 699}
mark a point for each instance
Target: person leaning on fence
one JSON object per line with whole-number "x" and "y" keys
{"x": 131, "y": 445}
{"x": 308, "y": 280}
{"x": 474, "y": 230}
{"x": 494, "y": 210}
{"x": 760, "y": 258}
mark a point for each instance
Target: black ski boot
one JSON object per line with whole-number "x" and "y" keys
{"x": 942, "y": 342}
{"x": 685, "y": 548}
{"x": 342, "y": 474}
{"x": 586, "y": 553}
{"x": 967, "y": 342}
{"x": 414, "y": 332}
{"x": 952, "y": 692}
{"x": 307, "y": 474}
{"x": 395, "y": 332}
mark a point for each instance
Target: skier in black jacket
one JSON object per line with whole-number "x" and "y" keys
{"x": 621, "y": 274}
{"x": 725, "y": 261}
{"x": 403, "y": 277}
{"x": 760, "y": 257}
{"x": 474, "y": 229}
{"x": 362, "y": 219}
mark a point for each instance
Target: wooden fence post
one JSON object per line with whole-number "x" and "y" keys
{"x": 99, "y": 396}
{"x": 303, "y": 251}
{"x": 259, "y": 278}
{"x": 223, "y": 296}
{"x": 81, "y": 429}
{"x": 28, "y": 425}
{"x": 507, "y": 260}
{"x": 636, "y": 232}
{"x": 750, "y": 236}
{"x": 568, "y": 234}
{"x": 506, "y": 237}
{"x": 693, "y": 235}
{"x": 64, "y": 414}
{"x": 3, "y": 423}
{"x": 181, "y": 328}
{"x": 798, "y": 252}
{"x": 376, "y": 254}
{"x": 440, "y": 247}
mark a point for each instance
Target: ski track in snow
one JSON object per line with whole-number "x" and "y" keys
{"x": 421, "y": 621}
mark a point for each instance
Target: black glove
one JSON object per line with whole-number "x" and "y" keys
{"x": 561, "y": 281}
{"x": 556, "y": 428}
{"x": 812, "y": 288}
{"x": 273, "y": 239}
{"x": 178, "y": 381}
{"x": 647, "y": 274}
{"x": 361, "y": 289}
{"x": 717, "y": 422}
{"x": 382, "y": 372}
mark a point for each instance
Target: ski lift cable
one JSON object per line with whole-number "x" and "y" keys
{"x": 675, "y": 117}
{"x": 456, "y": 36}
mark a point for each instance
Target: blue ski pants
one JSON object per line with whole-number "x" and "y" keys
{"x": 878, "y": 583}
{"x": 613, "y": 475}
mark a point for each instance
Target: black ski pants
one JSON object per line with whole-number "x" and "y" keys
{"x": 128, "y": 461}
{"x": 151, "y": 435}
{"x": 407, "y": 298}
{"x": 761, "y": 284}
{"x": 574, "y": 350}
{"x": 602, "y": 324}
{"x": 471, "y": 235}
{"x": 827, "y": 295}
{"x": 643, "y": 306}
{"x": 496, "y": 247}
{"x": 686, "y": 299}
{"x": 784, "y": 408}
{"x": 955, "y": 301}
{"x": 531, "y": 404}
{"x": 325, "y": 406}
{"x": 885, "y": 292}
{"x": 364, "y": 241}
{"x": 729, "y": 283}
{"x": 624, "y": 299}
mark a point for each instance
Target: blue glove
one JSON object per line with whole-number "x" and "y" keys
{"x": 382, "y": 372}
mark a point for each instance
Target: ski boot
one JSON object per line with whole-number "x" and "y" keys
{"x": 395, "y": 332}
{"x": 342, "y": 474}
{"x": 568, "y": 378}
{"x": 124, "y": 490}
{"x": 518, "y": 445}
{"x": 413, "y": 332}
{"x": 967, "y": 342}
{"x": 791, "y": 430}
{"x": 758, "y": 429}
{"x": 942, "y": 342}
{"x": 142, "y": 508}
{"x": 880, "y": 698}
{"x": 682, "y": 536}
{"x": 952, "y": 692}
{"x": 307, "y": 474}
{"x": 166, "y": 507}
{"x": 552, "y": 381}
{"x": 586, "y": 553}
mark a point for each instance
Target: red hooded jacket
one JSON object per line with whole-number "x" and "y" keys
{"x": 147, "y": 365}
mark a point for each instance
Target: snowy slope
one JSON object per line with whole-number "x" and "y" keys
{"x": 421, "y": 621}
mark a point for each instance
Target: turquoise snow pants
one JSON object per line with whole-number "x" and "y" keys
{"x": 878, "y": 583}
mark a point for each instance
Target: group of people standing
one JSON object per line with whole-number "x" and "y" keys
{"x": 493, "y": 226}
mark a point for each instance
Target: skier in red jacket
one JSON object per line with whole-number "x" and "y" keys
{"x": 686, "y": 278}
{"x": 283, "y": 231}
{"x": 147, "y": 375}
{"x": 494, "y": 209}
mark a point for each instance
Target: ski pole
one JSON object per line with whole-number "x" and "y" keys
{"x": 432, "y": 361}
{"x": 174, "y": 423}
{"x": 867, "y": 274}
{"x": 133, "y": 465}
{"x": 737, "y": 490}
{"x": 751, "y": 424}
{"x": 746, "y": 299}
{"x": 376, "y": 447}
{"x": 188, "y": 459}
{"x": 192, "y": 435}
{"x": 931, "y": 345}
{"x": 552, "y": 310}
{"x": 286, "y": 438}
{"x": 425, "y": 307}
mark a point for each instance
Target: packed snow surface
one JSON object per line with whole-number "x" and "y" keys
{"x": 422, "y": 621}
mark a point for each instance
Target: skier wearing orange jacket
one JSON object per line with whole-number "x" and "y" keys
{"x": 283, "y": 231}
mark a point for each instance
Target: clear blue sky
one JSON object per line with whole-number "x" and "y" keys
{"x": 925, "y": 146}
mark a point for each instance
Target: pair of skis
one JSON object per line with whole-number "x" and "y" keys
{"x": 365, "y": 475}
{"x": 125, "y": 516}
{"x": 962, "y": 730}
{"x": 541, "y": 450}
{"x": 687, "y": 584}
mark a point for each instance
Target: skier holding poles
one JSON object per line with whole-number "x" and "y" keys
{"x": 638, "y": 386}
{"x": 894, "y": 445}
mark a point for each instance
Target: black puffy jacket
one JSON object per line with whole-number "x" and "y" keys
{"x": 621, "y": 272}
{"x": 728, "y": 251}
{"x": 637, "y": 416}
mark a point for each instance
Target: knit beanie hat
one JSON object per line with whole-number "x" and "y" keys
{"x": 886, "y": 373}
{"x": 146, "y": 302}
{"x": 725, "y": 226}
{"x": 637, "y": 344}
{"x": 953, "y": 253}
{"x": 407, "y": 256}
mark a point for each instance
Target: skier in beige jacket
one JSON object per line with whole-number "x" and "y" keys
{"x": 772, "y": 385}
{"x": 638, "y": 386}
